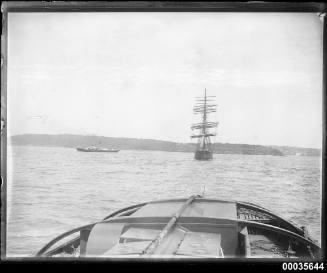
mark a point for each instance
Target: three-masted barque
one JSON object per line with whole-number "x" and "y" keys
{"x": 204, "y": 106}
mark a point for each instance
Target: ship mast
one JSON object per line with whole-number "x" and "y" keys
{"x": 204, "y": 106}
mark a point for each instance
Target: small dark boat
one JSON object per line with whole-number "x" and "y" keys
{"x": 186, "y": 228}
{"x": 98, "y": 150}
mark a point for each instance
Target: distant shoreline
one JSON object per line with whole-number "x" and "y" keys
{"x": 73, "y": 141}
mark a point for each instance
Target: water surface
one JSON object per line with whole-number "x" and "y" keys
{"x": 52, "y": 189}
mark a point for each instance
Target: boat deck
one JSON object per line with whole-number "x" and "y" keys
{"x": 192, "y": 228}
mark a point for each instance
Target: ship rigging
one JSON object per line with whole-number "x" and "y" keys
{"x": 204, "y": 106}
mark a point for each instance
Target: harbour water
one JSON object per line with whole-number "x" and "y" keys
{"x": 51, "y": 190}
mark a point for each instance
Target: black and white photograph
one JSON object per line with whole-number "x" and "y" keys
{"x": 163, "y": 135}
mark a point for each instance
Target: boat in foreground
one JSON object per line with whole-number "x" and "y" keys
{"x": 196, "y": 227}
{"x": 96, "y": 149}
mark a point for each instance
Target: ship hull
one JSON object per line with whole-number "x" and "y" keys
{"x": 203, "y": 155}
{"x": 96, "y": 150}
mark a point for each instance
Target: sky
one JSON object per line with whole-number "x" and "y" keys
{"x": 137, "y": 74}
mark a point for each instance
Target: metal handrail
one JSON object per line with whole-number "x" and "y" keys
{"x": 124, "y": 209}
{"x": 61, "y": 236}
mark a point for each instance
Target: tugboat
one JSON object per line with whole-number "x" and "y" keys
{"x": 96, "y": 149}
{"x": 196, "y": 227}
{"x": 203, "y": 107}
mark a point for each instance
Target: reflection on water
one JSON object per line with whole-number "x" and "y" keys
{"x": 51, "y": 189}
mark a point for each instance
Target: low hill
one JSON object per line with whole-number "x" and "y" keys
{"x": 299, "y": 151}
{"x": 72, "y": 141}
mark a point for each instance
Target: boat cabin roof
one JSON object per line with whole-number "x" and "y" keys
{"x": 199, "y": 208}
{"x": 133, "y": 234}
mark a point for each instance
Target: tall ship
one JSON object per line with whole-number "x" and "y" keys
{"x": 203, "y": 107}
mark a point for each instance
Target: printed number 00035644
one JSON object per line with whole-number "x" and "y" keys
{"x": 303, "y": 266}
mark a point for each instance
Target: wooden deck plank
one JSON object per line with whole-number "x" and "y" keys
{"x": 127, "y": 248}
{"x": 200, "y": 244}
